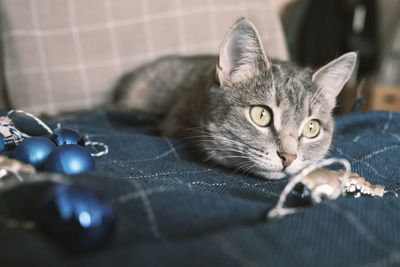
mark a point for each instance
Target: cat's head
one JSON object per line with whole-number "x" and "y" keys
{"x": 270, "y": 118}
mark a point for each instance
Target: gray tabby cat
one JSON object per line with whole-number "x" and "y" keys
{"x": 243, "y": 110}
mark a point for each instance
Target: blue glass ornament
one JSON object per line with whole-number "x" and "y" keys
{"x": 69, "y": 159}
{"x": 10, "y": 137}
{"x": 299, "y": 196}
{"x": 28, "y": 123}
{"x": 80, "y": 218}
{"x": 2, "y": 145}
{"x": 34, "y": 151}
{"x": 64, "y": 136}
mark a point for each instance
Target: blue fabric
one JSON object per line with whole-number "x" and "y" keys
{"x": 174, "y": 210}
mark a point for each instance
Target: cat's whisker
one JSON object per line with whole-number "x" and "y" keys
{"x": 208, "y": 142}
{"x": 205, "y": 136}
{"x": 212, "y": 145}
{"x": 245, "y": 167}
{"x": 209, "y": 137}
{"x": 225, "y": 149}
{"x": 235, "y": 142}
{"x": 212, "y": 151}
{"x": 229, "y": 142}
{"x": 234, "y": 156}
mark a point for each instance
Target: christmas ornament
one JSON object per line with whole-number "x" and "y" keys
{"x": 34, "y": 151}
{"x": 2, "y": 144}
{"x": 64, "y": 136}
{"x": 80, "y": 218}
{"x": 315, "y": 184}
{"x": 9, "y": 135}
{"x": 28, "y": 123}
{"x": 69, "y": 159}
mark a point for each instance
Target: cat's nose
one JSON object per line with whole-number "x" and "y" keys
{"x": 287, "y": 158}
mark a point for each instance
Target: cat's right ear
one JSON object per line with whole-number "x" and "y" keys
{"x": 332, "y": 77}
{"x": 241, "y": 55}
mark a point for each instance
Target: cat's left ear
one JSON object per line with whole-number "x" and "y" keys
{"x": 332, "y": 77}
{"x": 241, "y": 55}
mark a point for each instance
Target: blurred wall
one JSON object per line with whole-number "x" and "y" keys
{"x": 389, "y": 14}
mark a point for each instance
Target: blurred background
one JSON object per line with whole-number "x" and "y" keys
{"x": 66, "y": 55}
{"x": 318, "y": 31}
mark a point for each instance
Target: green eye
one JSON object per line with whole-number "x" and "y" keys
{"x": 260, "y": 115}
{"x": 311, "y": 129}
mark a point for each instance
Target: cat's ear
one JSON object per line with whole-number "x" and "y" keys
{"x": 241, "y": 55}
{"x": 332, "y": 77}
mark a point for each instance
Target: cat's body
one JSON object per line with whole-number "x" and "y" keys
{"x": 242, "y": 109}
{"x": 168, "y": 86}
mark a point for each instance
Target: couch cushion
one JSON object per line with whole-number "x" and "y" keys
{"x": 66, "y": 55}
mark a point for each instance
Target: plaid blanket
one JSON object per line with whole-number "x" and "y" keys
{"x": 175, "y": 210}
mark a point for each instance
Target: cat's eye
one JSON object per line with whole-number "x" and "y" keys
{"x": 260, "y": 115}
{"x": 311, "y": 129}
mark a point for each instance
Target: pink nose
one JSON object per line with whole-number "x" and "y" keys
{"x": 287, "y": 158}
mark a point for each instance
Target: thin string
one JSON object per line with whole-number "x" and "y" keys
{"x": 95, "y": 145}
{"x": 14, "y": 223}
{"x": 279, "y": 211}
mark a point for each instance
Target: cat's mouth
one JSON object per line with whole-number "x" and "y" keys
{"x": 276, "y": 173}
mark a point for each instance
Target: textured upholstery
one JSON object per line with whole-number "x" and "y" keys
{"x": 175, "y": 210}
